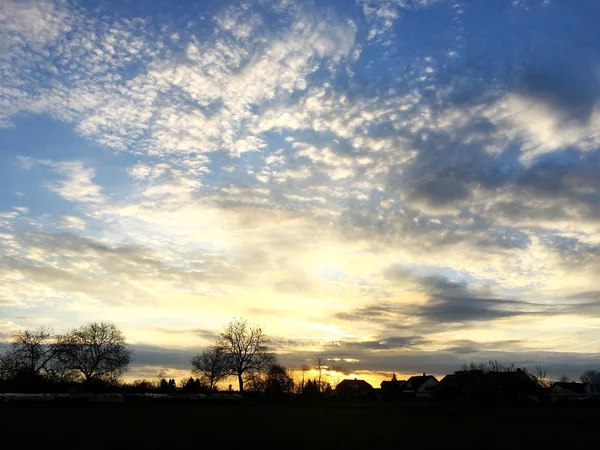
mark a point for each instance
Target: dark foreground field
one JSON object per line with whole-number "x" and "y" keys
{"x": 171, "y": 426}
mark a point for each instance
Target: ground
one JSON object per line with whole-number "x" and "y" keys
{"x": 295, "y": 426}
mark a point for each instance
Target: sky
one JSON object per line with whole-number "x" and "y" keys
{"x": 394, "y": 186}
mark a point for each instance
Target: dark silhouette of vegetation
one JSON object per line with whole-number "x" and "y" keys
{"x": 40, "y": 361}
{"x": 490, "y": 366}
{"x": 213, "y": 364}
{"x": 31, "y": 354}
{"x": 304, "y": 368}
{"x": 312, "y": 388}
{"x": 92, "y": 358}
{"x": 167, "y": 387}
{"x": 193, "y": 386}
{"x": 246, "y": 347}
{"x": 97, "y": 352}
{"x": 540, "y": 377}
{"x": 588, "y": 376}
{"x": 278, "y": 381}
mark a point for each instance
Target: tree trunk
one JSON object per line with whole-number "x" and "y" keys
{"x": 241, "y": 383}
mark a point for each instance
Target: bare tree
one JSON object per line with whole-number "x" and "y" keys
{"x": 8, "y": 366}
{"x": 247, "y": 349}
{"x": 213, "y": 364}
{"x": 491, "y": 366}
{"x": 319, "y": 368}
{"x": 588, "y": 375}
{"x": 303, "y": 369}
{"x": 541, "y": 377}
{"x": 495, "y": 366}
{"x": 31, "y": 353}
{"x": 97, "y": 351}
{"x": 564, "y": 379}
{"x": 472, "y": 367}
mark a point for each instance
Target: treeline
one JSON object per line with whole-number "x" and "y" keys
{"x": 242, "y": 351}
{"x": 93, "y": 355}
{"x": 539, "y": 375}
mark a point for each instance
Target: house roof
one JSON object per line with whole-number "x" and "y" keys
{"x": 385, "y": 382}
{"x": 417, "y": 381}
{"x": 518, "y": 379}
{"x": 362, "y": 384}
{"x": 391, "y": 384}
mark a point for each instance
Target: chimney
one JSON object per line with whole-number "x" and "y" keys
{"x": 424, "y": 374}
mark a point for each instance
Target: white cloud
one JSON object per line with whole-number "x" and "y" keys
{"x": 76, "y": 183}
{"x": 72, "y": 222}
{"x": 542, "y": 128}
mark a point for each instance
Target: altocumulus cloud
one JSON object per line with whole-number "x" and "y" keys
{"x": 361, "y": 186}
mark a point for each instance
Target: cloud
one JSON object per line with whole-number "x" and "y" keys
{"x": 76, "y": 183}
{"x": 72, "y": 222}
{"x": 388, "y": 343}
{"x": 285, "y": 160}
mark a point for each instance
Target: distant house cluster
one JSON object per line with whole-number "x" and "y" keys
{"x": 477, "y": 385}
{"x": 576, "y": 391}
{"x": 421, "y": 386}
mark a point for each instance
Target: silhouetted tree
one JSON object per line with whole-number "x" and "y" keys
{"x": 256, "y": 382}
{"x": 303, "y": 369}
{"x": 246, "y": 347}
{"x": 495, "y": 366}
{"x": 278, "y": 380}
{"x": 473, "y": 367}
{"x": 319, "y": 368}
{"x": 31, "y": 354}
{"x": 491, "y": 366}
{"x": 97, "y": 351}
{"x": 192, "y": 386}
{"x": 588, "y": 375}
{"x": 213, "y": 364}
{"x": 7, "y": 366}
{"x": 564, "y": 379}
{"x": 541, "y": 377}
{"x": 142, "y": 386}
{"x": 164, "y": 385}
{"x": 311, "y": 389}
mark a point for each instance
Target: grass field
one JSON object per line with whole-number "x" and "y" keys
{"x": 171, "y": 426}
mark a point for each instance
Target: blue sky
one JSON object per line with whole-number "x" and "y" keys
{"x": 406, "y": 184}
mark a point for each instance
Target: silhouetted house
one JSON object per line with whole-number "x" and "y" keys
{"x": 422, "y": 386}
{"x": 480, "y": 386}
{"x": 353, "y": 388}
{"x": 568, "y": 391}
{"x": 391, "y": 388}
{"x": 592, "y": 389}
{"x": 458, "y": 385}
{"x": 512, "y": 386}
